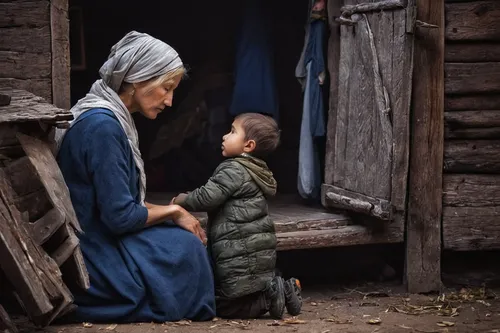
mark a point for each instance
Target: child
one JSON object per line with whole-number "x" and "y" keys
{"x": 241, "y": 236}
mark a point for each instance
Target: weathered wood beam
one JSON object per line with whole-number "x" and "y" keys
{"x": 472, "y": 78}
{"x": 472, "y": 125}
{"x": 43, "y": 228}
{"x": 17, "y": 13}
{"x": 26, "y": 40}
{"x": 471, "y": 228}
{"x": 22, "y": 176}
{"x": 59, "y": 32}
{"x": 472, "y": 102}
{"x": 472, "y": 52}
{"x": 22, "y": 65}
{"x": 340, "y": 198}
{"x": 6, "y": 324}
{"x": 472, "y": 156}
{"x": 342, "y": 236}
{"x": 423, "y": 231}
{"x": 51, "y": 177}
{"x": 333, "y": 68}
{"x": 39, "y": 87}
{"x": 469, "y": 190}
{"x": 475, "y": 20}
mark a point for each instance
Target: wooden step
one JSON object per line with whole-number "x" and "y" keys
{"x": 341, "y": 236}
{"x": 300, "y": 226}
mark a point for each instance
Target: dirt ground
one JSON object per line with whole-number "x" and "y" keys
{"x": 369, "y": 308}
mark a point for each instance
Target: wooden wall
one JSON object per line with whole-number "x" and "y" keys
{"x": 34, "y": 48}
{"x": 471, "y": 182}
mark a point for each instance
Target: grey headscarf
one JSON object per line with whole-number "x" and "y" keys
{"x": 137, "y": 57}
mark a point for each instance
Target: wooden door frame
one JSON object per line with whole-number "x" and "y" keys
{"x": 61, "y": 66}
{"x": 425, "y": 185}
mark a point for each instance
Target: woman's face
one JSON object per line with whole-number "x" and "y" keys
{"x": 151, "y": 103}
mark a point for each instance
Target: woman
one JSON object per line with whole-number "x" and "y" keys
{"x": 141, "y": 268}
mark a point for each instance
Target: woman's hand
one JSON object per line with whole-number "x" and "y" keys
{"x": 188, "y": 222}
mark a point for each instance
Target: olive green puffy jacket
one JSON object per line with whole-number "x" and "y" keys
{"x": 241, "y": 237}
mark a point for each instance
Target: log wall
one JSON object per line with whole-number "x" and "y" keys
{"x": 471, "y": 181}
{"x": 34, "y": 48}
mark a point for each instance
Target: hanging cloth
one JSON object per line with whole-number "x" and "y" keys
{"x": 310, "y": 72}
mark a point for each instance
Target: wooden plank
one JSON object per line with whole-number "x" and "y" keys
{"x": 476, "y": 52}
{"x": 22, "y": 176}
{"x": 65, "y": 250}
{"x": 340, "y": 198}
{"x": 472, "y": 78}
{"x": 472, "y": 124}
{"x": 26, "y": 39}
{"x": 476, "y": 20}
{"x": 17, "y": 13}
{"x": 39, "y": 87}
{"x": 43, "y": 228}
{"x": 472, "y": 156}
{"x": 6, "y": 324}
{"x": 21, "y": 65}
{"x": 4, "y": 99}
{"x": 466, "y": 190}
{"x": 342, "y": 236}
{"x": 472, "y": 102}
{"x": 59, "y": 27}
{"x": 27, "y": 107}
{"x": 362, "y": 119}
{"x": 423, "y": 229}
{"x": 333, "y": 69}
{"x": 36, "y": 204}
{"x": 46, "y": 166}
{"x": 45, "y": 269}
{"x": 16, "y": 265}
{"x": 74, "y": 269}
{"x": 471, "y": 228}
{"x": 402, "y": 74}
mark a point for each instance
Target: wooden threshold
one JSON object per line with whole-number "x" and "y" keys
{"x": 301, "y": 226}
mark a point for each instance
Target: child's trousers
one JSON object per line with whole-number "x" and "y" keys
{"x": 247, "y": 307}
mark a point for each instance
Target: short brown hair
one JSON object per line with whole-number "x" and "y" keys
{"x": 263, "y": 130}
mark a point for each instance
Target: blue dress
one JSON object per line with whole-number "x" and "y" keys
{"x": 161, "y": 273}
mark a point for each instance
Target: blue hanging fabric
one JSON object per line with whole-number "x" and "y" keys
{"x": 310, "y": 71}
{"x": 255, "y": 86}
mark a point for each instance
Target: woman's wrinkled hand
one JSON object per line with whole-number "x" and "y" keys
{"x": 188, "y": 222}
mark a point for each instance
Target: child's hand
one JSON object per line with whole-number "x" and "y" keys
{"x": 178, "y": 199}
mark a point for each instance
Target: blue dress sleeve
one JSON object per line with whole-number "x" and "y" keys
{"x": 108, "y": 158}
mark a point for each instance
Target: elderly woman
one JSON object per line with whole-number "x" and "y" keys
{"x": 141, "y": 268}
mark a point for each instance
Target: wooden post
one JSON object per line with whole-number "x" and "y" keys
{"x": 423, "y": 230}
{"x": 333, "y": 9}
{"x": 59, "y": 31}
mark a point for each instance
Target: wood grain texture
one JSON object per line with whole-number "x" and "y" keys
{"x": 472, "y": 78}
{"x": 21, "y": 65}
{"x": 25, "y": 107}
{"x": 472, "y": 52}
{"x": 472, "y": 124}
{"x": 333, "y": 69}
{"x": 423, "y": 228}
{"x": 472, "y": 102}
{"x": 27, "y": 40}
{"x": 39, "y": 87}
{"x": 469, "y": 190}
{"x": 33, "y": 14}
{"x": 59, "y": 33}
{"x": 475, "y": 20}
{"x": 472, "y": 156}
{"x": 471, "y": 228}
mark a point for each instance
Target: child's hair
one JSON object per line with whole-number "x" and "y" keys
{"x": 263, "y": 130}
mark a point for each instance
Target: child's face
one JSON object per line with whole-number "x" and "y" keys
{"x": 234, "y": 143}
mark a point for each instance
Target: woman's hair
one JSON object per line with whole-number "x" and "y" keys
{"x": 157, "y": 81}
{"x": 263, "y": 130}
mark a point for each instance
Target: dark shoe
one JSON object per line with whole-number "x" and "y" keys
{"x": 293, "y": 298}
{"x": 277, "y": 297}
